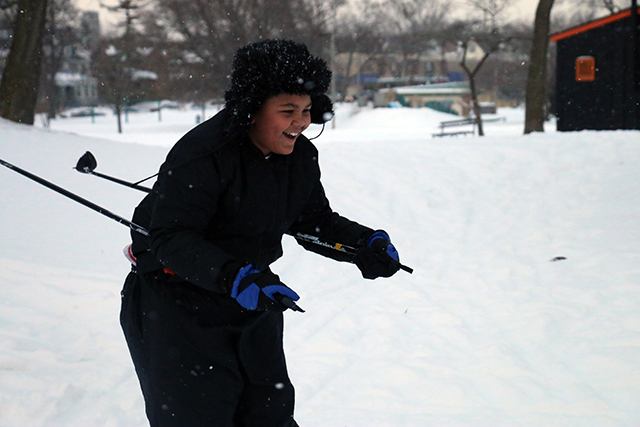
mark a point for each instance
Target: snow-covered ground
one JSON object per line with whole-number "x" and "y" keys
{"x": 523, "y": 310}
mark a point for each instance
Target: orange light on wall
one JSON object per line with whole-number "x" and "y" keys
{"x": 585, "y": 69}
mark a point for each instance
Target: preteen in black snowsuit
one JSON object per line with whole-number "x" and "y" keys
{"x": 201, "y": 309}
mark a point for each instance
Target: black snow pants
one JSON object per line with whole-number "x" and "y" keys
{"x": 201, "y": 360}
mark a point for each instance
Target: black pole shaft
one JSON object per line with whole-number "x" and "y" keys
{"x": 76, "y": 198}
{"x": 120, "y": 181}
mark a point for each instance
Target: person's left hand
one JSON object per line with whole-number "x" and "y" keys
{"x": 255, "y": 290}
{"x": 378, "y": 258}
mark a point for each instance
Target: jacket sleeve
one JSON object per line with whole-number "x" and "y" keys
{"x": 186, "y": 200}
{"x": 319, "y": 220}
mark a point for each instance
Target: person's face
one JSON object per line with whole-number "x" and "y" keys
{"x": 279, "y": 122}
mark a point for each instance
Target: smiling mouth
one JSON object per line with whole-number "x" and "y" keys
{"x": 291, "y": 135}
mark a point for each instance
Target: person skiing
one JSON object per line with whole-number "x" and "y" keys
{"x": 202, "y": 312}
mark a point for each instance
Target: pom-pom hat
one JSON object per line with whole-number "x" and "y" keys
{"x": 269, "y": 68}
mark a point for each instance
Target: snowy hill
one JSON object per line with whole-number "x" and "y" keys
{"x": 523, "y": 310}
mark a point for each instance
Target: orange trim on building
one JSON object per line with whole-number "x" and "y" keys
{"x": 591, "y": 25}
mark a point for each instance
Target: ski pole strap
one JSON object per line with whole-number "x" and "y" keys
{"x": 120, "y": 181}
{"x": 87, "y": 164}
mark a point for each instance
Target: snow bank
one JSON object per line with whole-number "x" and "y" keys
{"x": 523, "y": 309}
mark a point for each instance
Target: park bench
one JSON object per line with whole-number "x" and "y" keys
{"x": 456, "y": 123}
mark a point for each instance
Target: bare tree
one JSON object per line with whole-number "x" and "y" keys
{"x": 356, "y": 36}
{"x": 611, "y": 6}
{"x": 60, "y": 35}
{"x": 491, "y": 36}
{"x": 20, "y": 79}
{"x": 122, "y": 82}
{"x": 8, "y": 10}
{"x": 212, "y": 30}
{"x": 131, "y": 10}
{"x": 536, "y": 95}
{"x": 569, "y": 13}
{"x": 417, "y": 22}
{"x": 492, "y": 42}
{"x": 119, "y": 63}
{"x": 491, "y": 10}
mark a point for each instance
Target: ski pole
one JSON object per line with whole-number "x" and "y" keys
{"x": 87, "y": 163}
{"x": 75, "y": 197}
{"x": 288, "y": 302}
{"x": 139, "y": 229}
{"x": 148, "y": 190}
{"x": 340, "y": 247}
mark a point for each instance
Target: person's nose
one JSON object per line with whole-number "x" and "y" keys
{"x": 300, "y": 120}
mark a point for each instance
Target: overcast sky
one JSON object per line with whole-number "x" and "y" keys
{"x": 521, "y": 9}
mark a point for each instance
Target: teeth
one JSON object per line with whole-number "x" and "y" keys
{"x": 291, "y": 135}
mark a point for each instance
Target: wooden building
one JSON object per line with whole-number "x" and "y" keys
{"x": 598, "y": 73}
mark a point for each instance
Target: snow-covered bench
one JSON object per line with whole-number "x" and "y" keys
{"x": 456, "y": 123}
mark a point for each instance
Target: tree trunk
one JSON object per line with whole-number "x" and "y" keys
{"x": 476, "y": 105}
{"x": 347, "y": 76}
{"x": 536, "y": 96}
{"x": 471, "y": 75}
{"x": 118, "y": 111}
{"x": 20, "y": 80}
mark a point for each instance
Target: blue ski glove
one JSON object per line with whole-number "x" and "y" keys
{"x": 378, "y": 258}
{"x": 259, "y": 291}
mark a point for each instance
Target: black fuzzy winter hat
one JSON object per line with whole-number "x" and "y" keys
{"x": 269, "y": 68}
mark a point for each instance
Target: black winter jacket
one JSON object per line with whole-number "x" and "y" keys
{"x": 217, "y": 205}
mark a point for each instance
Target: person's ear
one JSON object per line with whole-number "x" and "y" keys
{"x": 321, "y": 109}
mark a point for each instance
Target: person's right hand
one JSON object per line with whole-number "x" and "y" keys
{"x": 378, "y": 258}
{"x": 258, "y": 291}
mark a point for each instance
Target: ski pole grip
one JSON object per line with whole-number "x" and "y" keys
{"x": 288, "y": 302}
{"x": 405, "y": 268}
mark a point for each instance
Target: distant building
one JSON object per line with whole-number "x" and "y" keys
{"x": 502, "y": 79}
{"x": 454, "y": 98}
{"x": 392, "y": 69}
{"x": 76, "y": 89}
{"x": 90, "y": 32}
{"x": 74, "y": 84}
{"x": 598, "y": 74}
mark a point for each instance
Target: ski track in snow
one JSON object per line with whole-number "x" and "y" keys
{"x": 487, "y": 332}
